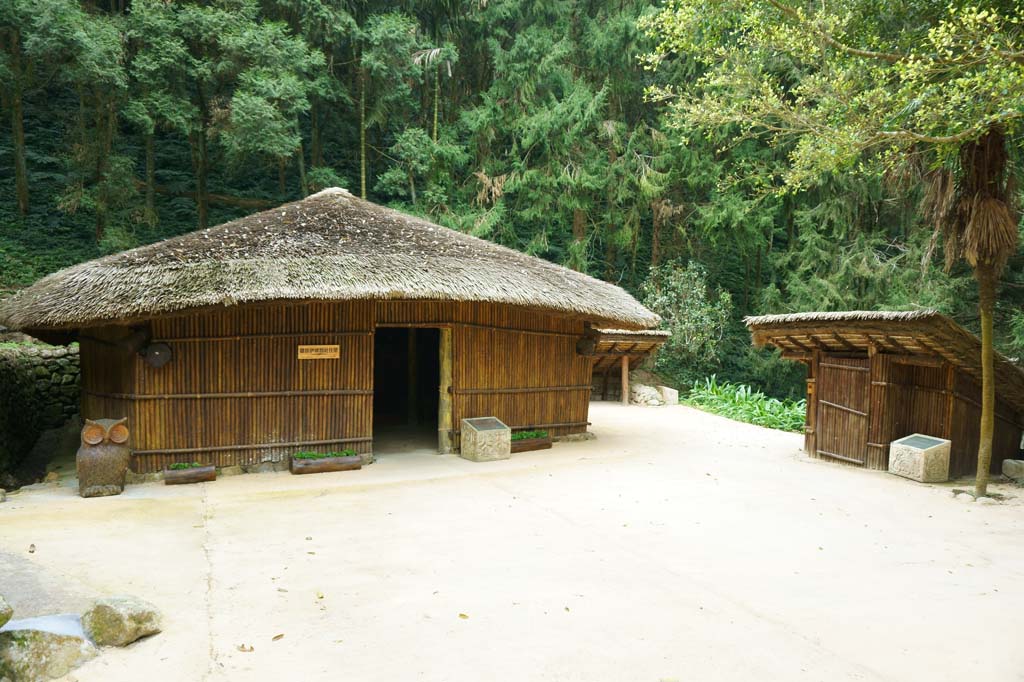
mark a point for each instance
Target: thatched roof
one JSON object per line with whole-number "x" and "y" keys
{"x": 329, "y": 246}
{"x": 918, "y": 332}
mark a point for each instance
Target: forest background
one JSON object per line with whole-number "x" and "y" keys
{"x": 534, "y": 124}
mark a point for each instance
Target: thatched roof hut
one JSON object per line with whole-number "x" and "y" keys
{"x": 876, "y": 376}
{"x": 319, "y": 325}
{"x": 330, "y": 246}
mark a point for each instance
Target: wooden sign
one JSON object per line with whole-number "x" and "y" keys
{"x": 319, "y": 352}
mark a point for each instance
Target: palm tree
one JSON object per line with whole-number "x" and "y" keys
{"x": 973, "y": 211}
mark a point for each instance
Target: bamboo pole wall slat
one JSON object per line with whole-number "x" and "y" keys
{"x": 853, "y": 421}
{"x": 235, "y": 391}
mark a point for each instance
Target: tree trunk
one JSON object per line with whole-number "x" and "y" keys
{"x": 437, "y": 97}
{"x": 201, "y": 162}
{"x": 362, "y": 133}
{"x": 316, "y": 147}
{"x": 656, "y": 218}
{"x": 282, "y": 186}
{"x": 151, "y": 217}
{"x": 104, "y": 128}
{"x": 18, "y": 127}
{"x": 303, "y": 183}
{"x": 986, "y": 276}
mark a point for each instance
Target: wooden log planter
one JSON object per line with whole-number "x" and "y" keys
{"x": 189, "y": 473}
{"x": 525, "y": 441}
{"x": 317, "y": 462}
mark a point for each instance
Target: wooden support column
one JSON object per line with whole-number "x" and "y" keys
{"x": 811, "y": 420}
{"x": 881, "y": 409}
{"x": 444, "y": 403}
{"x": 625, "y": 380}
{"x": 947, "y": 427}
{"x": 410, "y": 382}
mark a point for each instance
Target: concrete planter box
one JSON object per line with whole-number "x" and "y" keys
{"x": 920, "y": 457}
{"x": 527, "y": 444}
{"x": 298, "y": 465}
{"x": 485, "y": 439}
{"x": 190, "y": 475}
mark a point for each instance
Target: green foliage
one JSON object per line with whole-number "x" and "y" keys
{"x": 847, "y": 78}
{"x": 180, "y": 466}
{"x": 697, "y": 318}
{"x": 524, "y": 123}
{"x": 347, "y": 452}
{"x": 527, "y": 435}
{"x": 742, "y": 403}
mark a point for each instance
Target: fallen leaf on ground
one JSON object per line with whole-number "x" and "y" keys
{"x": 245, "y": 648}
{"x": 463, "y": 616}
{"x": 277, "y": 637}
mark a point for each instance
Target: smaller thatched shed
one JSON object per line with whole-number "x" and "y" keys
{"x": 618, "y": 350}
{"x": 874, "y": 377}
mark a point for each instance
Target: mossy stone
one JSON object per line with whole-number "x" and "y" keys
{"x": 118, "y": 621}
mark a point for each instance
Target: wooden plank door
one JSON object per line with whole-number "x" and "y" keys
{"x": 843, "y": 385}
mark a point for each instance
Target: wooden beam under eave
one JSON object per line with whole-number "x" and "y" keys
{"x": 843, "y": 342}
{"x": 793, "y": 342}
{"x": 918, "y": 360}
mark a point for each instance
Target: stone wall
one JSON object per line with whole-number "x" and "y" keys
{"x": 40, "y": 391}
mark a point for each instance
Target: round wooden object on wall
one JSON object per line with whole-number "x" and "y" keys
{"x": 157, "y": 354}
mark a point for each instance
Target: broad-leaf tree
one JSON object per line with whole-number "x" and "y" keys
{"x": 856, "y": 86}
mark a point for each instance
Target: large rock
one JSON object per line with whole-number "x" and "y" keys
{"x": 1014, "y": 468}
{"x": 5, "y": 611}
{"x": 669, "y": 395}
{"x": 35, "y": 649}
{"x": 642, "y": 394}
{"x": 117, "y": 621}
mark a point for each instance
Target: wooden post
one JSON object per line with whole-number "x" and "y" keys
{"x": 811, "y": 421}
{"x": 444, "y": 403}
{"x": 410, "y": 380}
{"x": 950, "y": 401}
{"x": 625, "y": 380}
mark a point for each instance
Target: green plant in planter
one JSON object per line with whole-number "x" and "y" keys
{"x": 177, "y": 466}
{"x": 526, "y": 435}
{"x": 347, "y": 452}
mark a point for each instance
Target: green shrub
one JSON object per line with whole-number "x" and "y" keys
{"x": 347, "y": 452}
{"x": 742, "y": 403}
{"x": 178, "y": 466}
{"x": 525, "y": 435}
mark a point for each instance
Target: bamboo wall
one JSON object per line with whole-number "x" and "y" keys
{"x": 859, "y": 403}
{"x": 235, "y": 392}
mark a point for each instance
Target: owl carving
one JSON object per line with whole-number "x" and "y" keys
{"x": 102, "y": 459}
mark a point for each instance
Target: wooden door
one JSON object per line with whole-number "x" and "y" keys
{"x": 843, "y": 385}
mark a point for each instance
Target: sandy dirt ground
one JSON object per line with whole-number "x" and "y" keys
{"x": 676, "y": 546}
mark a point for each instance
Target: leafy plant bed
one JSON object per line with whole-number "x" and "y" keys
{"x": 189, "y": 472}
{"x": 524, "y": 441}
{"x": 319, "y": 462}
{"x": 744, "y": 404}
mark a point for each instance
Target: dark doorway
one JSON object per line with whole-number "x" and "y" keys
{"x": 406, "y": 377}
